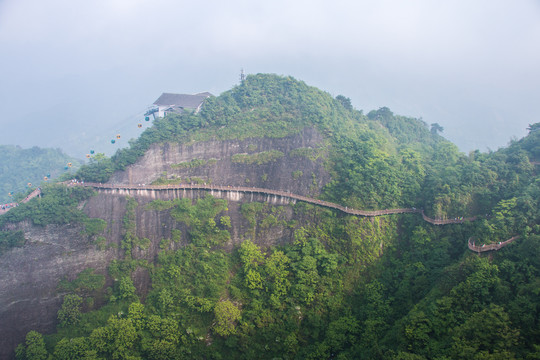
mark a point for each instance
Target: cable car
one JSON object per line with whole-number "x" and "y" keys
{"x": 69, "y": 164}
{"x": 45, "y": 178}
{"x": 139, "y": 126}
{"x": 29, "y": 184}
{"x": 113, "y": 141}
{"x": 88, "y": 156}
{"x": 118, "y": 136}
{"x": 92, "y": 152}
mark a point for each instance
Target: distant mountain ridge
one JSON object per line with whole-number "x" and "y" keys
{"x": 20, "y": 167}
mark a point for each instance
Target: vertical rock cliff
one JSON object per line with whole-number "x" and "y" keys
{"x": 29, "y": 276}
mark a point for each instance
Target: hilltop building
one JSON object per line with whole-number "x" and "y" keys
{"x": 169, "y": 103}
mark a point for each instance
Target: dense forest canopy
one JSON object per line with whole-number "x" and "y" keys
{"x": 346, "y": 287}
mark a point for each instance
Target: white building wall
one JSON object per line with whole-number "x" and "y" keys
{"x": 161, "y": 110}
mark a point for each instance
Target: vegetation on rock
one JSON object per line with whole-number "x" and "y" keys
{"x": 390, "y": 287}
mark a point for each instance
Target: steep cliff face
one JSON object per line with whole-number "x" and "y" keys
{"x": 156, "y": 225}
{"x": 293, "y": 163}
{"x": 29, "y": 299}
{"x": 29, "y": 277}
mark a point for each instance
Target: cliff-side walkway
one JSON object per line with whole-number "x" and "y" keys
{"x": 33, "y": 194}
{"x": 491, "y": 247}
{"x": 283, "y": 194}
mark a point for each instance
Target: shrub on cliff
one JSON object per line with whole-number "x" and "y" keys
{"x": 10, "y": 239}
{"x": 70, "y": 312}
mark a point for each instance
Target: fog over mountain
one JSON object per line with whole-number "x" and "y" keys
{"x": 75, "y": 74}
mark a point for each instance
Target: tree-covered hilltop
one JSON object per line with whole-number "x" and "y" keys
{"x": 22, "y": 166}
{"x": 377, "y": 161}
{"x": 345, "y": 287}
{"x": 273, "y": 106}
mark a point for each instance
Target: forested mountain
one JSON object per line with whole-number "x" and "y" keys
{"x": 18, "y": 167}
{"x": 240, "y": 277}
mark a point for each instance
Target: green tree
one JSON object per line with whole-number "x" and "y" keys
{"x": 402, "y": 355}
{"x": 382, "y": 113}
{"x": 250, "y": 255}
{"x": 253, "y": 279}
{"x": 137, "y": 316}
{"x": 277, "y": 270}
{"x": 99, "y": 169}
{"x": 226, "y": 314}
{"x": 165, "y": 338}
{"x": 126, "y": 289}
{"x": 75, "y": 348}
{"x": 485, "y": 334}
{"x": 33, "y": 348}
{"x": 70, "y": 312}
{"x": 165, "y": 301}
{"x": 504, "y": 217}
{"x": 375, "y": 311}
{"x": 418, "y": 332}
{"x": 436, "y": 128}
{"x": 533, "y": 127}
{"x": 345, "y": 101}
{"x": 342, "y": 334}
{"x": 116, "y": 340}
{"x": 477, "y": 290}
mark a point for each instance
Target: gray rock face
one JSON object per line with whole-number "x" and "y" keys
{"x": 29, "y": 277}
{"x": 29, "y": 299}
{"x": 162, "y": 160}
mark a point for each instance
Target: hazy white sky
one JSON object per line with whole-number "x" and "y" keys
{"x": 75, "y": 73}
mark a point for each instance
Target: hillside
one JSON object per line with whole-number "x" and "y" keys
{"x": 22, "y": 166}
{"x": 148, "y": 265}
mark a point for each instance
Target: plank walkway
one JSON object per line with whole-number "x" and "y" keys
{"x": 33, "y": 194}
{"x": 285, "y": 194}
{"x": 366, "y": 213}
{"x": 491, "y": 247}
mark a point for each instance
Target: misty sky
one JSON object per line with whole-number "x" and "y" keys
{"x": 73, "y": 74}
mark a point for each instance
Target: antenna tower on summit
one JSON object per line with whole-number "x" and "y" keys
{"x": 242, "y": 76}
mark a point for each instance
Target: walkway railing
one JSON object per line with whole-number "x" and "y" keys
{"x": 30, "y": 196}
{"x": 490, "y": 247}
{"x": 285, "y": 194}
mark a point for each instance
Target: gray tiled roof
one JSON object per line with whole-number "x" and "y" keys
{"x": 181, "y": 100}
